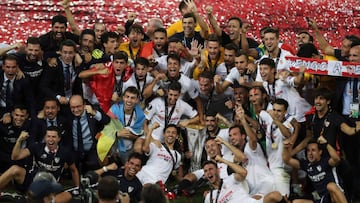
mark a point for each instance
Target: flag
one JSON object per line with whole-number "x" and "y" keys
{"x": 107, "y": 138}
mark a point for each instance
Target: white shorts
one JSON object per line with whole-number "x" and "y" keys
{"x": 282, "y": 180}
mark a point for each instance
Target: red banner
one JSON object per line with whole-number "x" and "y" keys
{"x": 324, "y": 67}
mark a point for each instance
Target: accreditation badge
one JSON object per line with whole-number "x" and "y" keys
{"x": 354, "y": 109}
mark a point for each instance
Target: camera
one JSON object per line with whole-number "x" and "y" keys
{"x": 86, "y": 192}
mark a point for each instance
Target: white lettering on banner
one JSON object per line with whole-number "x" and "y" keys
{"x": 324, "y": 67}
{"x": 334, "y": 68}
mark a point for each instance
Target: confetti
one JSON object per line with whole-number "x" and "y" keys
{"x": 21, "y": 19}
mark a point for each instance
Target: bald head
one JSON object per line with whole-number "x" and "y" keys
{"x": 153, "y": 24}
{"x": 77, "y": 105}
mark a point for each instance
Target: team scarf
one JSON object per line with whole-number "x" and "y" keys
{"x": 324, "y": 67}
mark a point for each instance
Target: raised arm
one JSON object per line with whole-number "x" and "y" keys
{"x": 239, "y": 171}
{"x": 283, "y": 129}
{"x": 299, "y": 78}
{"x": 334, "y": 157}
{"x": 303, "y": 143}
{"x": 324, "y": 45}
{"x": 239, "y": 156}
{"x": 194, "y": 120}
{"x": 286, "y": 155}
{"x": 148, "y": 137}
{"x": 204, "y": 32}
{"x": 99, "y": 70}
{"x": 295, "y": 133}
{"x": 188, "y": 54}
{"x": 345, "y": 128}
{"x": 130, "y": 21}
{"x": 4, "y": 50}
{"x": 213, "y": 22}
{"x": 17, "y": 152}
{"x": 244, "y": 41}
{"x": 148, "y": 91}
{"x": 70, "y": 18}
{"x": 220, "y": 87}
{"x": 240, "y": 113}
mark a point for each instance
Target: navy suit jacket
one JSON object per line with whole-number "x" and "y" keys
{"x": 21, "y": 94}
{"x": 40, "y": 125}
{"x": 53, "y": 82}
{"x": 94, "y": 126}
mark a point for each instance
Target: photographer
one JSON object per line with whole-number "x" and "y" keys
{"x": 43, "y": 191}
{"x": 108, "y": 191}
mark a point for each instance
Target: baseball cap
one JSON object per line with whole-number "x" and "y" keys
{"x": 42, "y": 188}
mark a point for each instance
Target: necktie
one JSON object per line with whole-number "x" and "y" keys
{"x": 355, "y": 89}
{"x": 79, "y": 136}
{"x": 118, "y": 87}
{"x": 67, "y": 77}
{"x": 52, "y": 123}
{"x": 9, "y": 102}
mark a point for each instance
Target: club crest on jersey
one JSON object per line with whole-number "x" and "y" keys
{"x": 57, "y": 159}
{"x": 326, "y": 123}
{"x": 318, "y": 168}
{"x": 43, "y": 156}
{"x": 130, "y": 189}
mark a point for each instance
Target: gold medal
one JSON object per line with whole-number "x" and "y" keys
{"x": 174, "y": 173}
{"x": 274, "y": 145}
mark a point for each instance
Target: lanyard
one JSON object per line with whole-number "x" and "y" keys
{"x": 261, "y": 135}
{"x": 228, "y": 69}
{"x": 217, "y": 194}
{"x": 174, "y": 160}
{"x": 272, "y": 129}
{"x": 277, "y": 60}
{"x": 139, "y": 88}
{"x": 272, "y": 94}
{"x": 167, "y": 114}
{"x": 209, "y": 100}
{"x": 260, "y": 129}
{"x": 130, "y": 119}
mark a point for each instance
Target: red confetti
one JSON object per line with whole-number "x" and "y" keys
{"x": 21, "y": 19}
